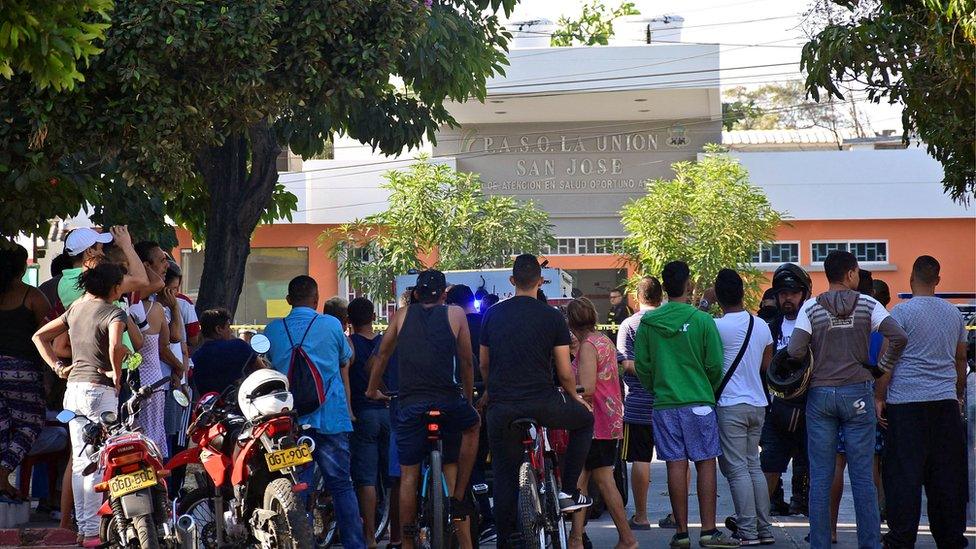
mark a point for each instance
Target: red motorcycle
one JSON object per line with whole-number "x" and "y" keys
{"x": 136, "y": 513}
{"x": 252, "y": 456}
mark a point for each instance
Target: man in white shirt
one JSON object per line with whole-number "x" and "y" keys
{"x": 748, "y": 348}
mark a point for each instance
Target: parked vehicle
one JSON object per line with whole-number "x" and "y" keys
{"x": 136, "y": 513}
{"x": 252, "y": 452}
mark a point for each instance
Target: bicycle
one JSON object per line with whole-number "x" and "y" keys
{"x": 541, "y": 523}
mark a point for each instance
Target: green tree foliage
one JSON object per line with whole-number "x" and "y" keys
{"x": 920, "y": 54}
{"x": 594, "y": 26}
{"x": 435, "y": 213}
{"x": 191, "y": 101}
{"x": 709, "y": 216}
{"x": 784, "y": 106}
{"x": 46, "y": 39}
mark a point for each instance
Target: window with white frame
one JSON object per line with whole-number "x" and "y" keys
{"x": 777, "y": 253}
{"x": 866, "y": 251}
{"x": 585, "y": 245}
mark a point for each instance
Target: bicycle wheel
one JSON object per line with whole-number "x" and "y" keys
{"x": 558, "y": 539}
{"x": 382, "y": 509}
{"x": 529, "y": 509}
{"x": 437, "y": 501}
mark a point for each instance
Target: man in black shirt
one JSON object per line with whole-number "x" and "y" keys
{"x": 519, "y": 338}
{"x": 619, "y": 311}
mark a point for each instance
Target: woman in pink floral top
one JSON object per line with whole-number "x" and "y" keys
{"x": 595, "y": 365}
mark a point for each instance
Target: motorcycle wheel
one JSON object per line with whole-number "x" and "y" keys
{"x": 198, "y": 504}
{"x": 108, "y": 532}
{"x": 145, "y": 528}
{"x": 146, "y": 531}
{"x": 290, "y": 527}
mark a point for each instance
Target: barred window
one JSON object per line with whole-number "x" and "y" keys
{"x": 820, "y": 250}
{"x": 778, "y": 252}
{"x": 866, "y": 252}
{"x": 870, "y": 251}
{"x": 599, "y": 246}
{"x": 585, "y": 245}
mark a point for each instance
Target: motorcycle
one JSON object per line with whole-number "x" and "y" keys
{"x": 252, "y": 453}
{"x": 136, "y": 513}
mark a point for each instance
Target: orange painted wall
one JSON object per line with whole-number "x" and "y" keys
{"x": 320, "y": 266}
{"x": 951, "y": 241}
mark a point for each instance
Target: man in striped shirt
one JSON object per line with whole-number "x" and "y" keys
{"x": 638, "y": 432}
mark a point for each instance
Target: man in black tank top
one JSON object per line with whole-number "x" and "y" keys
{"x": 434, "y": 358}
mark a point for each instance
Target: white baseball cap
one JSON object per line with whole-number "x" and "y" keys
{"x": 80, "y": 240}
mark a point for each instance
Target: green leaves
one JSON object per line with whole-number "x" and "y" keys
{"x": 593, "y": 27}
{"x": 46, "y": 39}
{"x": 172, "y": 79}
{"x": 709, "y": 215}
{"x": 920, "y": 54}
{"x": 437, "y": 216}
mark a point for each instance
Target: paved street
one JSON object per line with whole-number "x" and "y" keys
{"x": 789, "y": 531}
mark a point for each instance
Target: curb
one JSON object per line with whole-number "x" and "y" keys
{"x": 37, "y": 537}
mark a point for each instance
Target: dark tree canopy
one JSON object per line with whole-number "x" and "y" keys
{"x": 918, "y": 53}
{"x": 191, "y": 101}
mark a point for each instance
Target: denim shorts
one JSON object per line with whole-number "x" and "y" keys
{"x": 367, "y": 446}
{"x": 412, "y": 445}
{"x": 680, "y": 433}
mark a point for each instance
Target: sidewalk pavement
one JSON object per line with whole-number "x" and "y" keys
{"x": 789, "y": 531}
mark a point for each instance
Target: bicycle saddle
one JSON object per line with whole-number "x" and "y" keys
{"x": 524, "y": 422}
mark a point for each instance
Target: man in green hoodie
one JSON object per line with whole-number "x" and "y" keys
{"x": 678, "y": 356}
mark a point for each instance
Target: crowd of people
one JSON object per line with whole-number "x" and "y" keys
{"x": 686, "y": 379}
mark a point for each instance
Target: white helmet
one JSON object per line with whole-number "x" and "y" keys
{"x": 264, "y": 393}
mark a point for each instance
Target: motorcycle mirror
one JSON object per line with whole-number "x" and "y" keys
{"x": 64, "y": 416}
{"x": 260, "y": 343}
{"x": 108, "y": 417}
{"x": 90, "y": 468}
{"x": 181, "y": 398}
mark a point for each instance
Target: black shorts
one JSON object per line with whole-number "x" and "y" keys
{"x": 411, "y": 429}
{"x": 638, "y": 443}
{"x": 603, "y": 453}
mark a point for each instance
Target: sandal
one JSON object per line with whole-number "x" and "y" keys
{"x": 638, "y": 525}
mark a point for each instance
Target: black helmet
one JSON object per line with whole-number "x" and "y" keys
{"x": 788, "y": 377}
{"x": 790, "y": 276}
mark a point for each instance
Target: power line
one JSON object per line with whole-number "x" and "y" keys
{"x": 664, "y": 62}
{"x": 631, "y": 77}
{"x": 702, "y": 83}
{"x": 666, "y": 85}
{"x": 680, "y": 27}
{"x": 527, "y": 149}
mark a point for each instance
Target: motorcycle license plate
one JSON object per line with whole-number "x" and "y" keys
{"x": 132, "y": 482}
{"x": 289, "y": 457}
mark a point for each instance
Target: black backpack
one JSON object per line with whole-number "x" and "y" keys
{"x": 304, "y": 379}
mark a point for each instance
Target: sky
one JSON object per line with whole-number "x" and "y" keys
{"x": 753, "y": 32}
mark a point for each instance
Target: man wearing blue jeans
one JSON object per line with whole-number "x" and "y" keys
{"x": 326, "y": 345}
{"x": 836, "y": 327}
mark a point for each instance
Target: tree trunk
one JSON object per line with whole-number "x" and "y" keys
{"x": 238, "y": 198}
